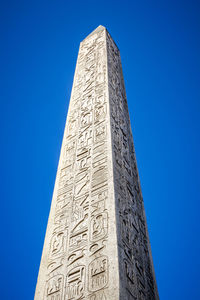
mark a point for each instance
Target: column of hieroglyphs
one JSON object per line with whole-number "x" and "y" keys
{"x": 80, "y": 259}
{"x": 137, "y": 279}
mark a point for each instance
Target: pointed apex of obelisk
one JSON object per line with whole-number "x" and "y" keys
{"x": 99, "y": 28}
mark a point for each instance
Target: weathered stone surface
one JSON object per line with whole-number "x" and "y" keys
{"x": 96, "y": 245}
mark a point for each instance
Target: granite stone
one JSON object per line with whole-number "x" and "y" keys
{"x": 97, "y": 245}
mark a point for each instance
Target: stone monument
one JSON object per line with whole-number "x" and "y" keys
{"x": 96, "y": 245}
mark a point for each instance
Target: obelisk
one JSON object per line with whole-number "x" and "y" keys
{"x": 97, "y": 245}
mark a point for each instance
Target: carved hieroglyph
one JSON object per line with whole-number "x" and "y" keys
{"x": 96, "y": 245}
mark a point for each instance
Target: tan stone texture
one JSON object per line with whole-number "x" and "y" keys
{"x": 96, "y": 245}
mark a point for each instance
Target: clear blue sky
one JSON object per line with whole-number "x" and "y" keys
{"x": 160, "y": 50}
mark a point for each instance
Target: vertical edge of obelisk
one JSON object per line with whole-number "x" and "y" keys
{"x": 114, "y": 216}
{"x": 129, "y": 287}
{"x": 144, "y": 214}
{"x": 112, "y": 235}
{"x": 147, "y": 233}
{"x": 42, "y": 273}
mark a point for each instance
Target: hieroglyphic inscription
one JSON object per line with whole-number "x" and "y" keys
{"x": 80, "y": 221}
{"x": 97, "y": 196}
{"x": 99, "y": 224}
{"x": 132, "y": 234}
{"x": 54, "y": 288}
{"x": 98, "y": 273}
{"x": 75, "y": 283}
